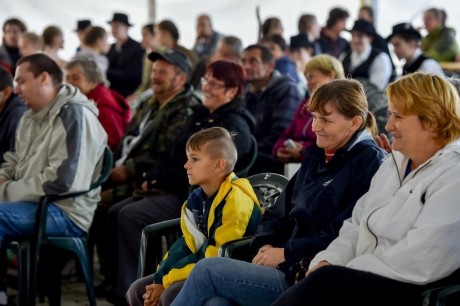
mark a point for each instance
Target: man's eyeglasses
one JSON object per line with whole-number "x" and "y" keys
{"x": 211, "y": 84}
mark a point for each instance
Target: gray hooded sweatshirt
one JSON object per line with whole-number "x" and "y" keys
{"x": 58, "y": 150}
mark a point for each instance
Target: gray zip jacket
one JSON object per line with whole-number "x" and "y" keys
{"x": 58, "y": 150}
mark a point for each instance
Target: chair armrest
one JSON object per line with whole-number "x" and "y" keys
{"x": 449, "y": 296}
{"x": 152, "y": 244}
{"x": 237, "y": 249}
{"x": 430, "y": 296}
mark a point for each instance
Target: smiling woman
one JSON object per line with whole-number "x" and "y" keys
{"x": 408, "y": 223}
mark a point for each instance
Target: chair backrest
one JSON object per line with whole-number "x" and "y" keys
{"x": 268, "y": 186}
{"x": 251, "y": 160}
{"x": 107, "y": 164}
{"x": 156, "y": 240}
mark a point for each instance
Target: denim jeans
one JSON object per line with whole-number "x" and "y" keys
{"x": 17, "y": 220}
{"x": 224, "y": 281}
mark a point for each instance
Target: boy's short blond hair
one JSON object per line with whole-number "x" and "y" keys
{"x": 218, "y": 142}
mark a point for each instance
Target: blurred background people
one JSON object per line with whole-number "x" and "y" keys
{"x": 13, "y": 29}
{"x": 308, "y": 26}
{"x": 271, "y": 25}
{"x": 440, "y": 43}
{"x": 406, "y": 40}
{"x": 148, "y": 42}
{"x": 167, "y": 37}
{"x": 95, "y": 47}
{"x": 365, "y": 61}
{"x": 82, "y": 28}
{"x": 53, "y": 41}
{"x": 283, "y": 64}
{"x": 114, "y": 112}
{"x": 330, "y": 40}
{"x": 125, "y": 57}
{"x": 206, "y": 37}
{"x": 378, "y": 42}
{"x": 30, "y": 43}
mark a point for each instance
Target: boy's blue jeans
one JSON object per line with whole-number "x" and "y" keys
{"x": 17, "y": 220}
{"x": 218, "y": 281}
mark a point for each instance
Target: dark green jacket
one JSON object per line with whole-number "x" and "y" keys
{"x": 164, "y": 126}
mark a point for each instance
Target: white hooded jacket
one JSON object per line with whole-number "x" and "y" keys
{"x": 405, "y": 229}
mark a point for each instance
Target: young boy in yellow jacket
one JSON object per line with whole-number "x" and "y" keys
{"x": 223, "y": 208}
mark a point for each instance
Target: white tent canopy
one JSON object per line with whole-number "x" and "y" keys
{"x": 235, "y": 17}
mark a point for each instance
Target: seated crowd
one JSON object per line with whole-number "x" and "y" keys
{"x": 187, "y": 126}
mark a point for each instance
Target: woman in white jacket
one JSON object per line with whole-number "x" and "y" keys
{"x": 403, "y": 236}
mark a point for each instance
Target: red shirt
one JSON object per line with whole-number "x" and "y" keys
{"x": 114, "y": 113}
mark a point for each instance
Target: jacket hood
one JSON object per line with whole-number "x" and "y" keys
{"x": 362, "y": 135}
{"x": 66, "y": 94}
{"x": 244, "y": 185}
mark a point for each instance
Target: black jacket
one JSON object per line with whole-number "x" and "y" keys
{"x": 9, "y": 119}
{"x": 125, "y": 67}
{"x": 310, "y": 212}
{"x": 274, "y": 107}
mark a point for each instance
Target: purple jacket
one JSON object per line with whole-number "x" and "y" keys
{"x": 299, "y": 129}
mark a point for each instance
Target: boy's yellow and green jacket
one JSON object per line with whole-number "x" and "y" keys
{"x": 234, "y": 213}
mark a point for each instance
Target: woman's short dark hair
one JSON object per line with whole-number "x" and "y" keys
{"x": 93, "y": 34}
{"x": 49, "y": 33}
{"x": 305, "y": 23}
{"x": 16, "y": 22}
{"x": 230, "y": 73}
{"x": 169, "y": 26}
{"x": 277, "y": 40}
{"x": 269, "y": 24}
{"x": 149, "y": 27}
{"x": 335, "y": 15}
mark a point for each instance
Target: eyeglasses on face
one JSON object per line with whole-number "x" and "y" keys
{"x": 211, "y": 84}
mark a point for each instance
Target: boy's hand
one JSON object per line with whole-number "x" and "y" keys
{"x": 152, "y": 294}
{"x": 269, "y": 256}
{"x": 2, "y": 181}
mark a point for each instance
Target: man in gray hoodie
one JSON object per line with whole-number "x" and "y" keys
{"x": 59, "y": 148}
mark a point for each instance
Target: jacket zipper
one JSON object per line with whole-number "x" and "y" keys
{"x": 400, "y": 185}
